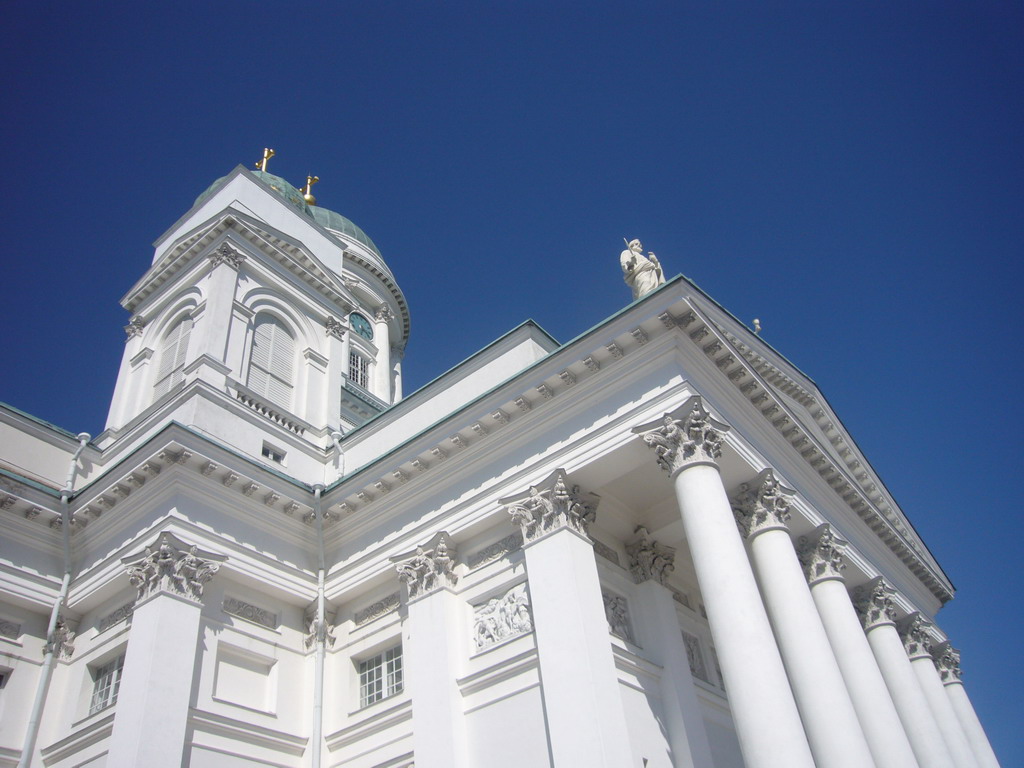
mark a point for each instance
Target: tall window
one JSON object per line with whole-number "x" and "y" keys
{"x": 272, "y": 364}
{"x": 106, "y": 683}
{"x": 172, "y": 356}
{"x": 358, "y": 369}
{"x": 380, "y": 676}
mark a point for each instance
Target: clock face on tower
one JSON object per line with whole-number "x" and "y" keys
{"x": 361, "y": 326}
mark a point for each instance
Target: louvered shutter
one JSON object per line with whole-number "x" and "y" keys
{"x": 272, "y": 363}
{"x": 172, "y": 357}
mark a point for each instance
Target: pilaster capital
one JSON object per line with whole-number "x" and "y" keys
{"x": 947, "y": 662}
{"x": 134, "y": 328}
{"x": 550, "y": 505}
{"x": 383, "y": 313}
{"x": 686, "y": 436}
{"x": 761, "y": 504}
{"x": 225, "y": 254}
{"x": 61, "y": 642}
{"x": 334, "y": 327}
{"x": 913, "y": 631}
{"x": 821, "y": 554}
{"x": 874, "y": 604}
{"x": 170, "y": 565}
{"x": 428, "y": 568}
{"x": 649, "y": 560}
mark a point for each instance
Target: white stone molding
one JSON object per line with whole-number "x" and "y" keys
{"x": 616, "y": 610}
{"x": 61, "y": 642}
{"x": 689, "y": 435}
{"x": 609, "y": 554}
{"x": 334, "y": 327}
{"x": 947, "y": 662}
{"x": 115, "y": 617}
{"x": 249, "y": 612}
{"x": 761, "y": 505}
{"x": 874, "y": 604}
{"x": 649, "y": 560}
{"x": 496, "y": 550}
{"x": 380, "y": 608}
{"x": 550, "y": 505}
{"x": 225, "y": 254}
{"x": 821, "y": 555}
{"x": 170, "y": 565}
{"x": 429, "y": 568}
{"x": 502, "y": 618}
{"x": 913, "y": 631}
{"x": 134, "y": 328}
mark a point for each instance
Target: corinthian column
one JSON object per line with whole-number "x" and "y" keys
{"x": 874, "y": 604}
{"x": 833, "y": 730}
{"x": 582, "y": 703}
{"x": 156, "y": 682}
{"x": 914, "y": 631}
{"x": 947, "y": 662}
{"x": 687, "y": 444}
{"x": 822, "y": 557}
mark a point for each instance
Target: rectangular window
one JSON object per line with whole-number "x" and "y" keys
{"x": 106, "y": 683}
{"x": 274, "y": 454}
{"x": 358, "y": 369}
{"x": 380, "y": 676}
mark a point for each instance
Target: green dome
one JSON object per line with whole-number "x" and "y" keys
{"x": 331, "y": 220}
{"x": 276, "y": 183}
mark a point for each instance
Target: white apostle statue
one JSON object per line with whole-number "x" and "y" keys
{"x": 642, "y": 273}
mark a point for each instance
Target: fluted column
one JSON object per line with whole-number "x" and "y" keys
{"x": 822, "y": 557}
{"x": 586, "y": 722}
{"x": 913, "y": 630}
{"x": 687, "y": 444}
{"x": 874, "y": 604}
{"x": 432, "y": 649}
{"x": 651, "y": 563}
{"x": 947, "y": 662}
{"x": 834, "y": 733}
{"x": 151, "y": 721}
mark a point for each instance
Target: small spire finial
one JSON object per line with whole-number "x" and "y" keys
{"x": 307, "y": 193}
{"x": 261, "y": 165}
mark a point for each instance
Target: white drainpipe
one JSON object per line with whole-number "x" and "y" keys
{"x": 32, "y": 733}
{"x": 320, "y": 630}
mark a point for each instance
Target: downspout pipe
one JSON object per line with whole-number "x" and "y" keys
{"x": 320, "y": 630}
{"x": 50, "y": 651}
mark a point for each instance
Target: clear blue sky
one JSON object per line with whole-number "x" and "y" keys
{"x": 852, "y": 174}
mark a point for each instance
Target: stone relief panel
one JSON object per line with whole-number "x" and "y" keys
{"x": 606, "y": 552}
{"x": 381, "y": 608}
{"x": 617, "y": 612}
{"x": 693, "y": 653}
{"x": 250, "y": 612}
{"x": 502, "y": 618}
{"x": 496, "y": 551}
{"x": 115, "y": 617}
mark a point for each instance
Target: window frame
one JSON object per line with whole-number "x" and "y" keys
{"x": 106, "y": 684}
{"x": 362, "y": 370}
{"x": 381, "y": 676}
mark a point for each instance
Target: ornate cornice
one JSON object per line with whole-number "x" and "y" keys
{"x": 947, "y": 662}
{"x": 761, "y": 504}
{"x": 874, "y": 604}
{"x": 913, "y": 631}
{"x": 821, "y": 554}
{"x": 429, "y": 568}
{"x": 172, "y": 566}
{"x": 684, "y": 437}
{"x": 649, "y": 560}
{"x": 550, "y": 505}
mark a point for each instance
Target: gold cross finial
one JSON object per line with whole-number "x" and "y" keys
{"x": 261, "y": 165}
{"x": 307, "y": 193}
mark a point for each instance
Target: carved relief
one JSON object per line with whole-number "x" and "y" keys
{"x": 617, "y": 612}
{"x": 550, "y": 505}
{"x": 502, "y": 618}
{"x": 686, "y": 436}
{"x": 947, "y": 662}
{"x": 225, "y": 254}
{"x": 134, "y": 328}
{"x": 761, "y": 504}
{"x": 60, "y": 642}
{"x": 496, "y": 550}
{"x": 250, "y": 612}
{"x": 429, "y": 569}
{"x": 874, "y": 604}
{"x": 381, "y": 608}
{"x": 334, "y": 327}
{"x": 115, "y": 617}
{"x": 315, "y": 630}
{"x": 606, "y": 552}
{"x": 10, "y": 629}
{"x": 172, "y": 566}
{"x": 693, "y": 654}
{"x": 384, "y": 313}
{"x": 649, "y": 560}
{"x": 913, "y": 631}
{"x": 821, "y": 555}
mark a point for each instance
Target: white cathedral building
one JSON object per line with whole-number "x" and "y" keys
{"x": 655, "y": 545}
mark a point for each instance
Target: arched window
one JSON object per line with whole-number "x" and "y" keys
{"x": 172, "y": 356}
{"x": 272, "y": 364}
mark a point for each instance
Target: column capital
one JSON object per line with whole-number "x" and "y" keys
{"x": 686, "y": 436}
{"x": 821, "y": 554}
{"x": 649, "y": 560}
{"x": 383, "y": 314}
{"x": 947, "y": 662}
{"x": 913, "y": 631}
{"x": 334, "y": 327}
{"x": 550, "y": 505}
{"x": 760, "y": 505}
{"x": 873, "y": 602}
{"x": 225, "y": 254}
{"x": 428, "y": 568}
{"x": 172, "y": 566}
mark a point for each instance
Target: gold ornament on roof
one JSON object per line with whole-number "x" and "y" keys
{"x": 261, "y": 165}
{"x": 307, "y": 193}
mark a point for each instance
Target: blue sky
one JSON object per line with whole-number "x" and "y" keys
{"x": 850, "y": 173}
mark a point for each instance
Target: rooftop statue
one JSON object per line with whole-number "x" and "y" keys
{"x": 642, "y": 273}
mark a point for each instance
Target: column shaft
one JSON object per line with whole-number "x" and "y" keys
{"x": 765, "y": 714}
{"x": 979, "y": 742}
{"x": 875, "y": 710}
{"x": 942, "y": 710}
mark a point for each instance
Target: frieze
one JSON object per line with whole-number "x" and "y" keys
{"x": 606, "y": 552}
{"x": 115, "y": 617}
{"x": 381, "y": 608}
{"x": 496, "y": 551}
{"x": 250, "y": 612}
{"x": 502, "y": 618}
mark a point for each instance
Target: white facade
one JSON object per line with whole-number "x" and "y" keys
{"x": 655, "y": 545}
